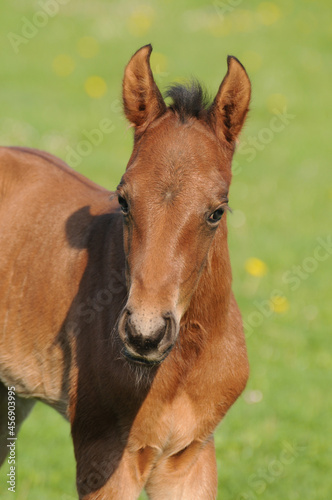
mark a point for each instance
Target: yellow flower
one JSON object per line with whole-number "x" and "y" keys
{"x": 279, "y": 304}
{"x": 95, "y": 86}
{"x": 140, "y": 21}
{"x": 276, "y": 103}
{"x": 63, "y": 65}
{"x": 256, "y": 267}
{"x": 268, "y": 13}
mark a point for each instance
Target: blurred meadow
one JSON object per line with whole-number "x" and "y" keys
{"x": 62, "y": 64}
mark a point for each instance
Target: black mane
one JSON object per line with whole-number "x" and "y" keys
{"x": 188, "y": 100}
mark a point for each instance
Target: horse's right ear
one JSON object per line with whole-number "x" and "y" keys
{"x": 142, "y": 99}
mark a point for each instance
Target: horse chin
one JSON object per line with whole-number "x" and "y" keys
{"x": 143, "y": 361}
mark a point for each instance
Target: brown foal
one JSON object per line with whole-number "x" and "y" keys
{"x": 116, "y": 308}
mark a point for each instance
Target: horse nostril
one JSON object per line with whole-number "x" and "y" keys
{"x": 158, "y": 336}
{"x": 170, "y": 324}
{"x": 129, "y": 328}
{"x": 142, "y": 341}
{"x": 127, "y": 312}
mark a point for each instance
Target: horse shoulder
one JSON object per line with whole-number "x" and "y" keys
{"x": 46, "y": 211}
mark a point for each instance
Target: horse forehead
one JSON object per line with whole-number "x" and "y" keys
{"x": 175, "y": 158}
{"x": 185, "y": 141}
{"x": 181, "y": 158}
{"x": 175, "y": 177}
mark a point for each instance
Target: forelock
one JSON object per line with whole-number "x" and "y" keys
{"x": 188, "y": 100}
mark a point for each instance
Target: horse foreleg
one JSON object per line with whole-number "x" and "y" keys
{"x": 107, "y": 470}
{"x": 123, "y": 484}
{"x": 190, "y": 474}
{"x": 22, "y": 409}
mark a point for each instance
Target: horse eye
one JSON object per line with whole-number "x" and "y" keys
{"x": 123, "y": 204}
{"x": 216, "y": 215}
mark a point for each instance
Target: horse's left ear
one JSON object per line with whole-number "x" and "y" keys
{"x": 230, "y": 106}
{"x": 142, "y": 99}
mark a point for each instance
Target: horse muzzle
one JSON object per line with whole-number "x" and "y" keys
{"x": 148, "y": 337}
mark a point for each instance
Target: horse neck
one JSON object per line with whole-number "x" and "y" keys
{"x": 210, "y": 302}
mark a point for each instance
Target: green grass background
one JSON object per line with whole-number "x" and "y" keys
{"x": 276, "y": 441}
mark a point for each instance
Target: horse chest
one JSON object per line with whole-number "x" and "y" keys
{"x": 172, "y": 426}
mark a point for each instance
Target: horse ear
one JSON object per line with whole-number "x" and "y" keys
{"x": 142, "y": 99}
{"x": 230, "y": 106}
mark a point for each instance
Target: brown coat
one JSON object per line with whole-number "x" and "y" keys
{"x": 144, "y": 363}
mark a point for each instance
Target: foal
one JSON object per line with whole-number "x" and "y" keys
{"x": 117, "y": 309}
